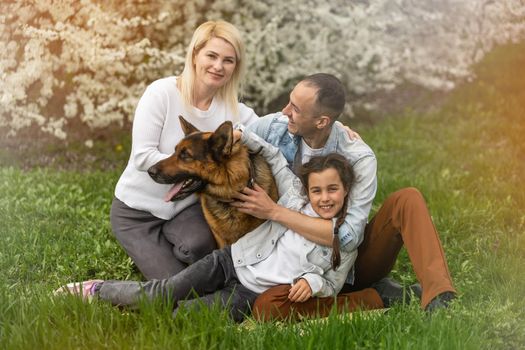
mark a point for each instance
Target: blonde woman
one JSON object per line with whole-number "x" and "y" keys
{"x": 162, "y": 238}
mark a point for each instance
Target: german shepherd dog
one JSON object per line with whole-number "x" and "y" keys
{"x": 212, "y": 165}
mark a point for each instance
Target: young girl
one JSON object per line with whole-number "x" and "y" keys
{"x": 268, "y": 256}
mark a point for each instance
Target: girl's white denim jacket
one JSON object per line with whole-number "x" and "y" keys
{"x": 258, "y": 244}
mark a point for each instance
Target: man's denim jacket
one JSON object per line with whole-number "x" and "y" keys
{"x": 258, "y": 244}
{"x": 274, "y": 129}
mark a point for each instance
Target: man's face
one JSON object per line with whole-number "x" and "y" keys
{"x": 301, "y": 111}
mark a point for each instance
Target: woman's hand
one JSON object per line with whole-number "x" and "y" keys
{"x": 255, "y": 202}
{"x": 300, "y": 291}
{"x": 353, "y": 135}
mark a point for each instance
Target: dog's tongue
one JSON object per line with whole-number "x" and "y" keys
{"x": 172, "y": 192}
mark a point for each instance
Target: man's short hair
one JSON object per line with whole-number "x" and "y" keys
{"x": 330, "y": 97}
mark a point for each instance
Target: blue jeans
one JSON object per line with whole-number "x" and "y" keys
{"x": 208, "y": 280}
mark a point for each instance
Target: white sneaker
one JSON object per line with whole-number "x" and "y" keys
{"x": 85, "y": 290}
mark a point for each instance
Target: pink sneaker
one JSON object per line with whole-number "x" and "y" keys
{"x": 85, "y": 290}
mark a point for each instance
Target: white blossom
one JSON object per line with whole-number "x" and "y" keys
{"x": 92, "y": 60}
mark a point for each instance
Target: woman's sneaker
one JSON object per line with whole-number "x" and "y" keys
{"x": 86, "y": 290}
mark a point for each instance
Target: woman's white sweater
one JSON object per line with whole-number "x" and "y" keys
{"x": 156, "y": 132}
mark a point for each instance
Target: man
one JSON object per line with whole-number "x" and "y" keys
{"x": 306, "y": 127}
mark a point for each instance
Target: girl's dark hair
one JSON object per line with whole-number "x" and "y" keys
{"x": 344, "y": 169}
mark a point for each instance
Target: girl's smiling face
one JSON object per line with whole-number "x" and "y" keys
{"x": 326, "y": 192}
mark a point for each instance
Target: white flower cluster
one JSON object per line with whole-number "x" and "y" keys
{"x": 65, "y": 59}
{"x": 372, "y": 45}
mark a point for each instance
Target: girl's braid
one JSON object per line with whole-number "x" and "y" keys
{"x": 336, "y": 245}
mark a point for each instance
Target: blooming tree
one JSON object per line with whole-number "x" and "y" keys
{"x": 90, "y": 60}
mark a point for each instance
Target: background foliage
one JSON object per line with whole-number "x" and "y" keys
{"x": 65, "y": 65}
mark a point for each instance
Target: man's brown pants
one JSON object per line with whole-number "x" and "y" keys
{"x": 402, "y": 219}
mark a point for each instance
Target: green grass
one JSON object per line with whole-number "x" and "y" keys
{"x": 466, "y": 157}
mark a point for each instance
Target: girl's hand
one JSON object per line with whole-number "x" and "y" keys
{"x": 237, "y": 134}
{"x": 300, "y": 291}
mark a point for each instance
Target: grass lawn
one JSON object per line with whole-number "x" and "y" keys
{"x": 466, "y": 156}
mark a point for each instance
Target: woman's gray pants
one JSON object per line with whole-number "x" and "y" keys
{"x": 210, "y": 279}
{"x": 162, "y": 248}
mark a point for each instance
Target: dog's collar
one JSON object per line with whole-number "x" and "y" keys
{"x": 251, "y": 180}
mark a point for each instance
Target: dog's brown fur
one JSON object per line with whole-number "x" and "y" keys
{"x": 218, "y": 168}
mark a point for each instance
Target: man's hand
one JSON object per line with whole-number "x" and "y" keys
{"x": 258, "y": 204}
{"x": 255, "y": 202}
{"x": 300, "y": 291}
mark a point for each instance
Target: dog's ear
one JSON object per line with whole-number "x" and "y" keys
{"x": 187, "y": 127}
{"x": 221, "y": 141}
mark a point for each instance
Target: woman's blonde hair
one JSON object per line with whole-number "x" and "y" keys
{"x": 229, "y": 93}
